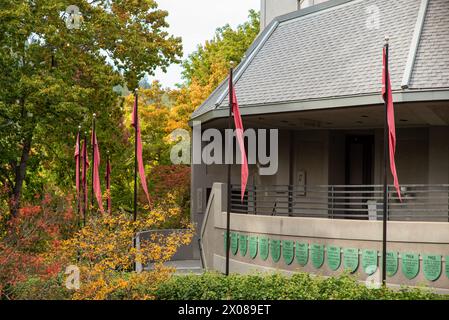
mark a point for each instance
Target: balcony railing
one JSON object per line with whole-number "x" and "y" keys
{"x": 365, "y": 202}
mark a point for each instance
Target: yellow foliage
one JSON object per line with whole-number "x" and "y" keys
{"x": 105, "y": 253}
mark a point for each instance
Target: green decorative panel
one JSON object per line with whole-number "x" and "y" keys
{"x": 351, "y": 259}
{"x": 431, "y": 266}
{"x": 253, "y": 247}
{"x": 275, "y": 248}
{"x": 302, "y": 253}
{"x": 392, "y": 263}
{"x": 317, "y": 255}
{"x": 410, "y": 265}
{"x": 224, "y": 241}
{"x": 447, "y": 266}
{"x": 333, "y": 257}
{"x": 288, "y": 251}
{"x": 263, "y": 248}
{"x": 369, "y": 261}
{"x": 243, "y": 244}
{"x": 234, "y": 243}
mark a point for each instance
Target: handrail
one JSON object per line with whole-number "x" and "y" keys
{"x": 419, "y": 201}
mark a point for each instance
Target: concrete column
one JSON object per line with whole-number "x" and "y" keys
{"x": 270, "y": 9}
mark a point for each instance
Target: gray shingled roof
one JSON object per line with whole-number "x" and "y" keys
{"x": 328, "y": 51}
{"x": 431, "y": 68}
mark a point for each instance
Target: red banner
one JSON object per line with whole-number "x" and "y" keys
{"x": 77, "y": 166}
{"x": 96, "y": 172}
{"x": 85, "y": 167}
{"x": 388, "y": 98}
{"x": 141, "y": 167}
{"x": 240, "y": 139}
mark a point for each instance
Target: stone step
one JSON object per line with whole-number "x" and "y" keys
{"x": 183, "y": 266}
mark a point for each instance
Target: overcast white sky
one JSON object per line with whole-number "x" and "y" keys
{"x": 195, "y": 21}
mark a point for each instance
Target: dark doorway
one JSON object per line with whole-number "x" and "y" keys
{"x": 359, "y": 173}
{"x": 359, "y": 160}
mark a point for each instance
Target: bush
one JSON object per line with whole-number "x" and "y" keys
{"x": 300, "y": 286}
{"x": 27, "y": 238}
{"x": 162, "y": 285}
{"x": 41, "y": 289}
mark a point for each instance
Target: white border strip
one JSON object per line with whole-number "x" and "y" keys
{"x": 415, "y": 44}
{"x": 247, "y": 61}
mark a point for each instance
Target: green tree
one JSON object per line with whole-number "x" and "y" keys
{"x": 54, "y": 77}
{"x": 209, "y": 65}
{"x": 227, "y": 45}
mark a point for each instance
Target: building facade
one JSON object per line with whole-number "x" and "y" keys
{"x": 315, "y": 76}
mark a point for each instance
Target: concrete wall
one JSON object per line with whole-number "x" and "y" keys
{"x": 415, "y": 237}
{"x": 270, "y": 9}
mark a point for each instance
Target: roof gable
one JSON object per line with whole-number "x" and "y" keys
{"x": 332, "y": 50}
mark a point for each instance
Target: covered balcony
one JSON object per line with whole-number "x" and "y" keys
{"x": 359, "y": 202}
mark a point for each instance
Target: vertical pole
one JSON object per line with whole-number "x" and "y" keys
{"x": 78, "y": 192}
{"x": 93, "y": 160}
{"x": 291, "y": 178}
{"x": 386, "y": 149}
{"x": 108, "y": 183}
{"x": 136, "y": 127}
{"x": 85, "y": 193}
{"x": 228, "y": 211}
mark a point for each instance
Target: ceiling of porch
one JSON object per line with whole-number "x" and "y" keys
{"x": 407, "y": 115}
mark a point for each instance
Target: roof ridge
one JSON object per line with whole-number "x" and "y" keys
{"x": 261, "y": 39}
{"x": 414, "y": 45}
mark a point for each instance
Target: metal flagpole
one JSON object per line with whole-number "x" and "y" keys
{"x": 93, "y": 159}
{"x": 136, "y": 126}
{"x": 386, "y": 150}
{"x": 136, "y": 117}
{"x": 84, "y": 181}
{"x": 108, "y": 183}
{"x": 78, "y": 192}
{"x": 228, "y": 211}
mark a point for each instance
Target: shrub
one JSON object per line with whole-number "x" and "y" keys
{"x": 34, "y": 254}
{"x": 41, "y": 289}
{"x": 26, "y": 238}
{"x": 300, "y": 286}
{"x": 103, "y": 251}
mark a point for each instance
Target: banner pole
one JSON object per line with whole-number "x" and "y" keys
{"x": 108, "y": 183}
{"x": 78, "y": 174}
{"x": 93, "y": 160}
{"x": 385, "y": 187}
{"x": 136, "y": 117}
{"x": 228, "y": 210}
{"x": 84, "y": 180}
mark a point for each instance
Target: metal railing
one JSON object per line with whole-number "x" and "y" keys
{"x": 364, "y": 202}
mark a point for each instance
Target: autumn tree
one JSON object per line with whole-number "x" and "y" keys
{"x": 54, "y": 77}
{"x": 209, "y": 65}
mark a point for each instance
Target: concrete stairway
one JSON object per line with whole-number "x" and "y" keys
{"x": 184, "y": 267}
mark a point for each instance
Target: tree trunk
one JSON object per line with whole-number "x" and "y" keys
{"x": 20, "y": 175}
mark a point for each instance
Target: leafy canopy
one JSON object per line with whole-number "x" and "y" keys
{"x": 53, "y": 78}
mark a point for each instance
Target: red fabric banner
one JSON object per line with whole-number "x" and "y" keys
{"x": 141, "y": 167}
{"x": 96, "y": 172}
{"x": 388, "y": 97}
{"x": 77, "y": 166}
{"x": 85, "y": 167}
{"x": 240, "y": 139}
